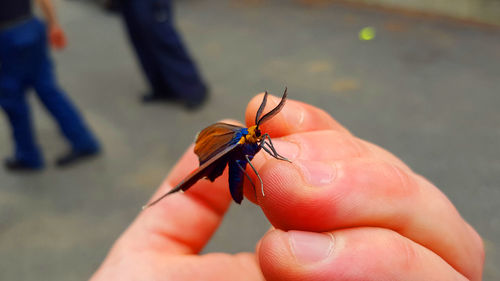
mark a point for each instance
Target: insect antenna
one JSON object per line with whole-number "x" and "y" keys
{"x": 261, "y": 108}
{"x": 274, "y": 111}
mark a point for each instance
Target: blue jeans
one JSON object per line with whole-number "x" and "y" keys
{"x": 25, "y": 63}
{"x": 159, "y": 48}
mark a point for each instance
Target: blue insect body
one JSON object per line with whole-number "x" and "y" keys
{"x": 221, "y": 144}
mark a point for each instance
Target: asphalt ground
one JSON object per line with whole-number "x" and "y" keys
{"x": 425, "y": 89}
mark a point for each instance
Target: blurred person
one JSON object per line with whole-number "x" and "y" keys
{"x": 171, "y": 73}
{"x": 343, "y": 209}
{"x": 25, "y": 63}
{"x": 113, "y": 6}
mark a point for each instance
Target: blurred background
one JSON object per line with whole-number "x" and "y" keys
{"x": 418, "y": 78}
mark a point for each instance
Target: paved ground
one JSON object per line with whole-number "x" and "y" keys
{"x": 426, "y": 90}
{"x": 485, "y": 11}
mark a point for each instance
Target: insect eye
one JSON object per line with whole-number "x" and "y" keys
{"x": 257, "y": 133}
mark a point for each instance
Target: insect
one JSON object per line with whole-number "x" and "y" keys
{"x": 223, "y": 144}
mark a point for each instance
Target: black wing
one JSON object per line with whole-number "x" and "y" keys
{"x": 207, "y": 169}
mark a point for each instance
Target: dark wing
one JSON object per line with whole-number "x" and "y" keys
{"x": 236, "y": 175}
{"x": 214, "y": 139}
{"x": 207, "y": 169}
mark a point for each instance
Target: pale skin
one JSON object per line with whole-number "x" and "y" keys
{"x": 344, "y": 209}
{"x": 57, "y": 38}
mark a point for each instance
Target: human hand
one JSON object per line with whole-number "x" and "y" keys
{"x": 57, "y": 38}
{"x": 344, "y": 209}
{"x": 377, "y": 218}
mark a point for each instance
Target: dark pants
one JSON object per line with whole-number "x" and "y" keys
{"x": 25, "y": 63}
{"x": 160, "y": 50}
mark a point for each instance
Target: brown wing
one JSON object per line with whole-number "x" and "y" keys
{"x": 215, "y": 138}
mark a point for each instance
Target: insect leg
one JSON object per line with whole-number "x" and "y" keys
{"x": 263, "y": 143}
{"x": 275, "y": 154}
{"x": 248, "y": 177}
{"x": 255, "y": 171}
{"x": 270, "y": 145}
{"x": 270, "y": 152}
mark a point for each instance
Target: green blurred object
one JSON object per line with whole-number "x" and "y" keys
{"x": 367, "y": 33}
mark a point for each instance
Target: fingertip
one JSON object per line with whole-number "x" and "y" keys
{"x": 295, "y": 117}
{"x": 232, "y": 122}
{"x": 295, "y": 255}
{"x": 274, "y": 254}
{"x": 279, "y": 125}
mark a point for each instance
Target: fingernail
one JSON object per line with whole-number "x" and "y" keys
{"x": 310, "y": 247}
{"x": 288, "y": 149}
{"x": 316, "y": 173}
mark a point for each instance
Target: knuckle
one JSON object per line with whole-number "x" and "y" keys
{"x": 403, "y": 183}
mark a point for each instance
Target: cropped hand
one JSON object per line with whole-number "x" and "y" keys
{"x": 347, "y": 209}
{"x": 344, "y": 209}
{"x": 57, "y": 37}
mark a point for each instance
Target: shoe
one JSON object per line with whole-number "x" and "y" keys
{"x": 155, "y": 97}
{"x": 13, "y": 164}
{"x": 75, "y": 156}
{"x": 112, "y": 6}
{"x": 194, "y": 104}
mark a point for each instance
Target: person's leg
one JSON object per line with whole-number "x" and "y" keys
{"x": 135, "y": 20}
{"x": 12, "y": 100}
{"x": 178, "y": 71}
{"x": 16, "y": 44}
{"x": 57, "y": 103}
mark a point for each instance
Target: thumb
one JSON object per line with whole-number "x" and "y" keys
{"x": 364, "y": 253}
